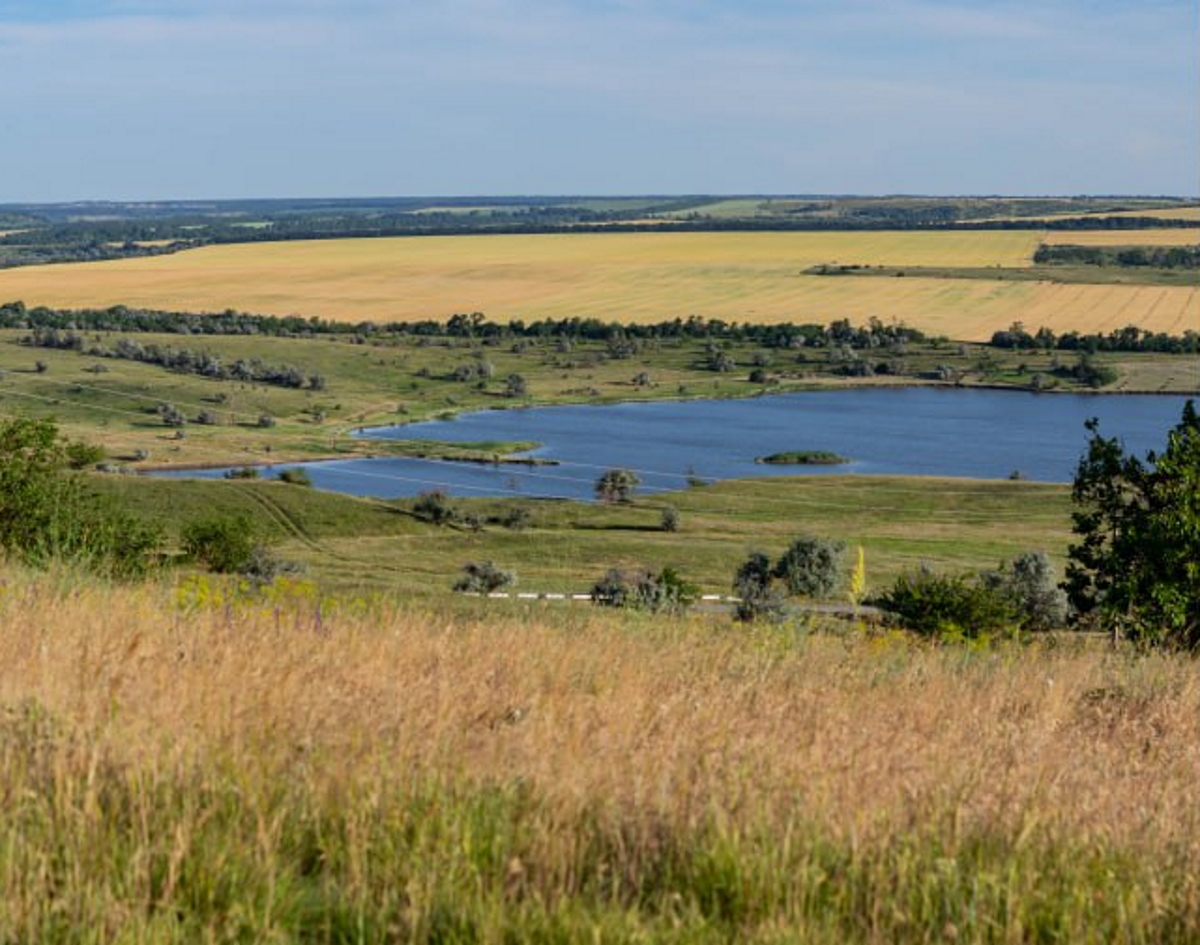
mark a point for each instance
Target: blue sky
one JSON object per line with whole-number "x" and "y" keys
{"x": 134, "y": 99}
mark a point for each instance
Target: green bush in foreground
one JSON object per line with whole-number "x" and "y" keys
{"x": 225, "y": 544}
{"x": 47, "y": 514}
{"x": 950, "y": 604}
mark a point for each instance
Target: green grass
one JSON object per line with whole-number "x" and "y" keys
{"x": 350, "y": 544}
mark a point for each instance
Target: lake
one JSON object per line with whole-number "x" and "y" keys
{"x": 987, "y": 434}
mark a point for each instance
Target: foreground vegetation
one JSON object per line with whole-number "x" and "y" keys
{"x": 184, "y": 766}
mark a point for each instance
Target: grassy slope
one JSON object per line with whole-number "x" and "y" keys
{"x": 352, "y": 543}
{"x": 181, "y": 766}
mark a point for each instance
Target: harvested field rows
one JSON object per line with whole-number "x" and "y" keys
{"x": 627, "y": 277}
{"x": 1164, "y": 237}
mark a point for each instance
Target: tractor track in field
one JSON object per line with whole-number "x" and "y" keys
{"x": 296, "y": 530}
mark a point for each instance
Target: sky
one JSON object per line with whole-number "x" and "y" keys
{"x": 142, "y": 100}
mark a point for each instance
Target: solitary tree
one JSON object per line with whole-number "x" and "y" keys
{"x": 1136, "y": 567}
{"x": 617, "y": 485}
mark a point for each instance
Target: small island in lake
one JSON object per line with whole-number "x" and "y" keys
{"x": 803, "y": 458}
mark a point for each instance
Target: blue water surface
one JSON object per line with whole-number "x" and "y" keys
{"x": 986, "y": 434}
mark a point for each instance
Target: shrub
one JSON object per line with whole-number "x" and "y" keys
{"x": 242, "y": 472}
{"x": 643, "y": 589}
{"x": 670, "y": 519}
{"x": 517, "y": 518}
{"x": 1030, "y": 583}
{"x": 812, "y": 567}
{"x": 295, "y": 477}
{"x": 954, "y": 604}
{"x": 81, "y": 455}
{"x": 758, "y": 597}
{"x": 483, "y": 577}
{"x": 434, "y": 507}
{"x": 46, "y": 514}
{"x": 225, "y": 544}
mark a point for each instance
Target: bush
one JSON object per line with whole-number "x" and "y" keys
{"x": 242, "y": 472}
{"x": 46, "y": 514}
{"x": 225, "y": 544}
{"x": 1031, "y": 585}
{"x": 295, "y": 477}
{"x": 670, "y": 519}
{"x": 812, "y": 567}
{"x": 642, "y": 589}
{"x": 945, "y": 604}
{"x": 517, "y": 518}
{"x": 434, "y": 507}
{"x": 758, "y": 597}
{"x": 82, "y": 455}
{"x": 483, "y": 577}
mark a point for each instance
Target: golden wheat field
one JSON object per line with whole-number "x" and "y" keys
{"x": 1184, "y": 236}
{"x": 636, "y": 277}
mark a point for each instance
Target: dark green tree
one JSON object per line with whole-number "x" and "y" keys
{"x": 47, "y": 513}
{"x": 1135, "y": 570}
{"x": 617, "y": 485}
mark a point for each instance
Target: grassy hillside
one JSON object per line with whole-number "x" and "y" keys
{"x": 187, "y": 769}
{"x": 349, "y": 543}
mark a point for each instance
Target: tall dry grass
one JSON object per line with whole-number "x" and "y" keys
{"x": 178, "y": 766}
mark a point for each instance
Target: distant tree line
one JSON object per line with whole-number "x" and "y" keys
{"x": 58, "y": 234}
{"x": 1160, "y": 257}
{"x": 474, "y": 326}
{"x": 183, "y": 360}
{"x": 1127, "y": 339}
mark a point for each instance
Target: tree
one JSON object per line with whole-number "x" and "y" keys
{"x": 1136, "y": 569}
{"x": 811, "y": 567}
{"x": 758, "y": 598}
{"x": 617, "y": 485}
{"x": 515, "y": 386}
{"x": 47, "y": 514}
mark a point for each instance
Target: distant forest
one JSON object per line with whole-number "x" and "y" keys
{"x": 56, "y": 233}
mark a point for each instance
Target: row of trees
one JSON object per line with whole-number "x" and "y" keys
{"x": 1161, "y": 257}
{"x": 183, "y": 360}
{"x": 1127, "y": 339}
{"x": 474, "y": 326}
